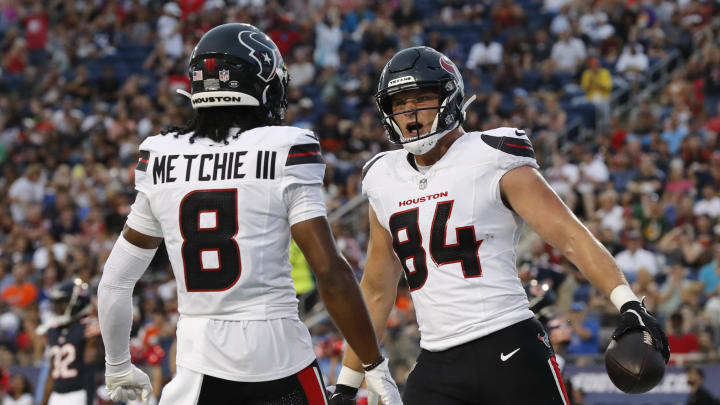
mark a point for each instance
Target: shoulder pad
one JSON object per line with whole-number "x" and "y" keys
{"x": 370, "y": 163}
{"x": 515, "y": 145}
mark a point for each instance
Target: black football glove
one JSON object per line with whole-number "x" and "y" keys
{"x": 634, "y": 316}
{"x": 343, "y": 395}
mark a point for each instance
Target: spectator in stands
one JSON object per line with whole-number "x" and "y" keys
{"x": 597, "y": 83}
{"x": 168, "y": 28}
{"x": 680, "y": 338}
{"x": 487, "y": 53}
{"x": 15, "y": 60}
{"x": 21, "y": 293}
{"x": 561, "y": 22}
{"x": 584, "y": 339}
{"x": 563, "y": 177}
{"x": 674, "y": 133}
{"x": 26, "y": 190}
{"x": 645, "y": 286}
{"x": 633, "y": 63}
{"x": 328, "y": 37}
{"x": 670, "y": 294}
{"x": 594, "y": 24}
{"x": 21, "y": 392}
{"x": 635, "y": 257}
{"x": 610, "y": 214}
{"x": 568, "y": 53}
{"x": 709, "y": 274}
{"x": 699, "y": 395}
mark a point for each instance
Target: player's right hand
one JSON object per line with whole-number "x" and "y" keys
{"x": 130, "y": 385}
{"x": 380, "y": 382}
{"x": 634, "y": 315}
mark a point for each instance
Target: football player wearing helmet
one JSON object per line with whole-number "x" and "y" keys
{"x": 71, "y": 343}
{"x": 447, "y": 210}
{"x": 226, "y": 193}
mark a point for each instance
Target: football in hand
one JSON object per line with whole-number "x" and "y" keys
{"x": 633, "y": 364}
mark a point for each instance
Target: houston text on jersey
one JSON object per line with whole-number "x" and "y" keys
{"x": 418, "y": 200}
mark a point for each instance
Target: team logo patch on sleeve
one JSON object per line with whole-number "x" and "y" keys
{"x": 305, "y": 153}
{"x": 513, "y": 146}
{"x": 143, "y": 160}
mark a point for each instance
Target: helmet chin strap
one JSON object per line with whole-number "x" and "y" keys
{"x": 184, "y": 93}
{"x": 467, "y": 103}
{"x": 425, "y": 145}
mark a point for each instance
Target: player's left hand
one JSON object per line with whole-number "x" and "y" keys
{"x": 380, "y": 381}
{"x": 634, "y": 315}
{"x": 130, "y": 385}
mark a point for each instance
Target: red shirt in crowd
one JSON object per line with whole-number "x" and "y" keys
{"x": 686, "y": 343}
{"x": 36, "y": 28}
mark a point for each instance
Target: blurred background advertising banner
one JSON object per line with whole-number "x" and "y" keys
{"x": 672, "y": 390}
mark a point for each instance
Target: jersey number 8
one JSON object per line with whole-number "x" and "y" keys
{"x": 213, "y": 238}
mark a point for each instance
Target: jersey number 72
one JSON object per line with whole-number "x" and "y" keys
{"x": 407, "y": 243}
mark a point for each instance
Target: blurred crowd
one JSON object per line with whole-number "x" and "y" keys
{"x": 83, "y": 82}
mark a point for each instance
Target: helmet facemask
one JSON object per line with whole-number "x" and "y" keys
{"x": 447, "y": 118}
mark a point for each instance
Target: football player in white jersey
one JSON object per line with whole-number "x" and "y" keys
{"x": 447, "y": 209}
{"x": 226, "y": 193}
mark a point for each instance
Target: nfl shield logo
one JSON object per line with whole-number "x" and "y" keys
{"x": 423, "y": 184}
{"x": 224, "y": 75}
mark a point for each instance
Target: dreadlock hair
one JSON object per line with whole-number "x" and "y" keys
{"x": 215, "y": 123}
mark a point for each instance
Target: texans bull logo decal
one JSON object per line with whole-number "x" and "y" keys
{"x": 448, "y": 66}
{"x": 263, "y": 51}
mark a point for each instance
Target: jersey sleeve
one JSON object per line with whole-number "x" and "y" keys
{"x": 143, "y": 179}
{"x": 367, "y": 177}
{"x": 141, "y": 217}
{"x": 304, "y": 163}
{"x": 512, "y": 149}
{"x": 304, "y": 201}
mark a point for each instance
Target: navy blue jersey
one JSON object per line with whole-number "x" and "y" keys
{"x": 67, "y": 349}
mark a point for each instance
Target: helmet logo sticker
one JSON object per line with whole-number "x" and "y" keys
{"x": 224, "y": 75}
{"x": 211, "y": 84}
{"x": 210, "y": 65}
{"x": 401, "y": 80}
{"x": 446, "y": 64}
{"x": 197, "y": 75}
{"x": 234, "y": 83}
{"x": 261, "y": 52}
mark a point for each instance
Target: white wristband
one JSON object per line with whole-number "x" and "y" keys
{"x": 350, "y": 377}
{"x": 621, "y": 295}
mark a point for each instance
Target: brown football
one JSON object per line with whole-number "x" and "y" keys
{"x": 633, "y": 364}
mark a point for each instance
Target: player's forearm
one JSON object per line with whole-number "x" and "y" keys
{"x": 122, "y": 270}
{"x": 379, "y": 302}
{"x": 593, "y": 260}
{"x": 115, "y": 314}
{"x": 48, "y": 388}
{"x": 342, "y": 298}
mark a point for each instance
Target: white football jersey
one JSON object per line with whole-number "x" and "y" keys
{"x": 224, "y": 213}
{"x": 455, "y": 238}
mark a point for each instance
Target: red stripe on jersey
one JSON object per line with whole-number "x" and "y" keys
{"x": 303, "y": 154}
{"x": 518, "y": 146}
{"x": 559, "y": 379}
{"x": 143, "y": 160}
{"x": 310, "y": 382}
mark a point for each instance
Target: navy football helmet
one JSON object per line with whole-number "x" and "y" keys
{"x": 70, "y": 300}
{"x": 238, "y": 65}
{"x": 422, "y": 67}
